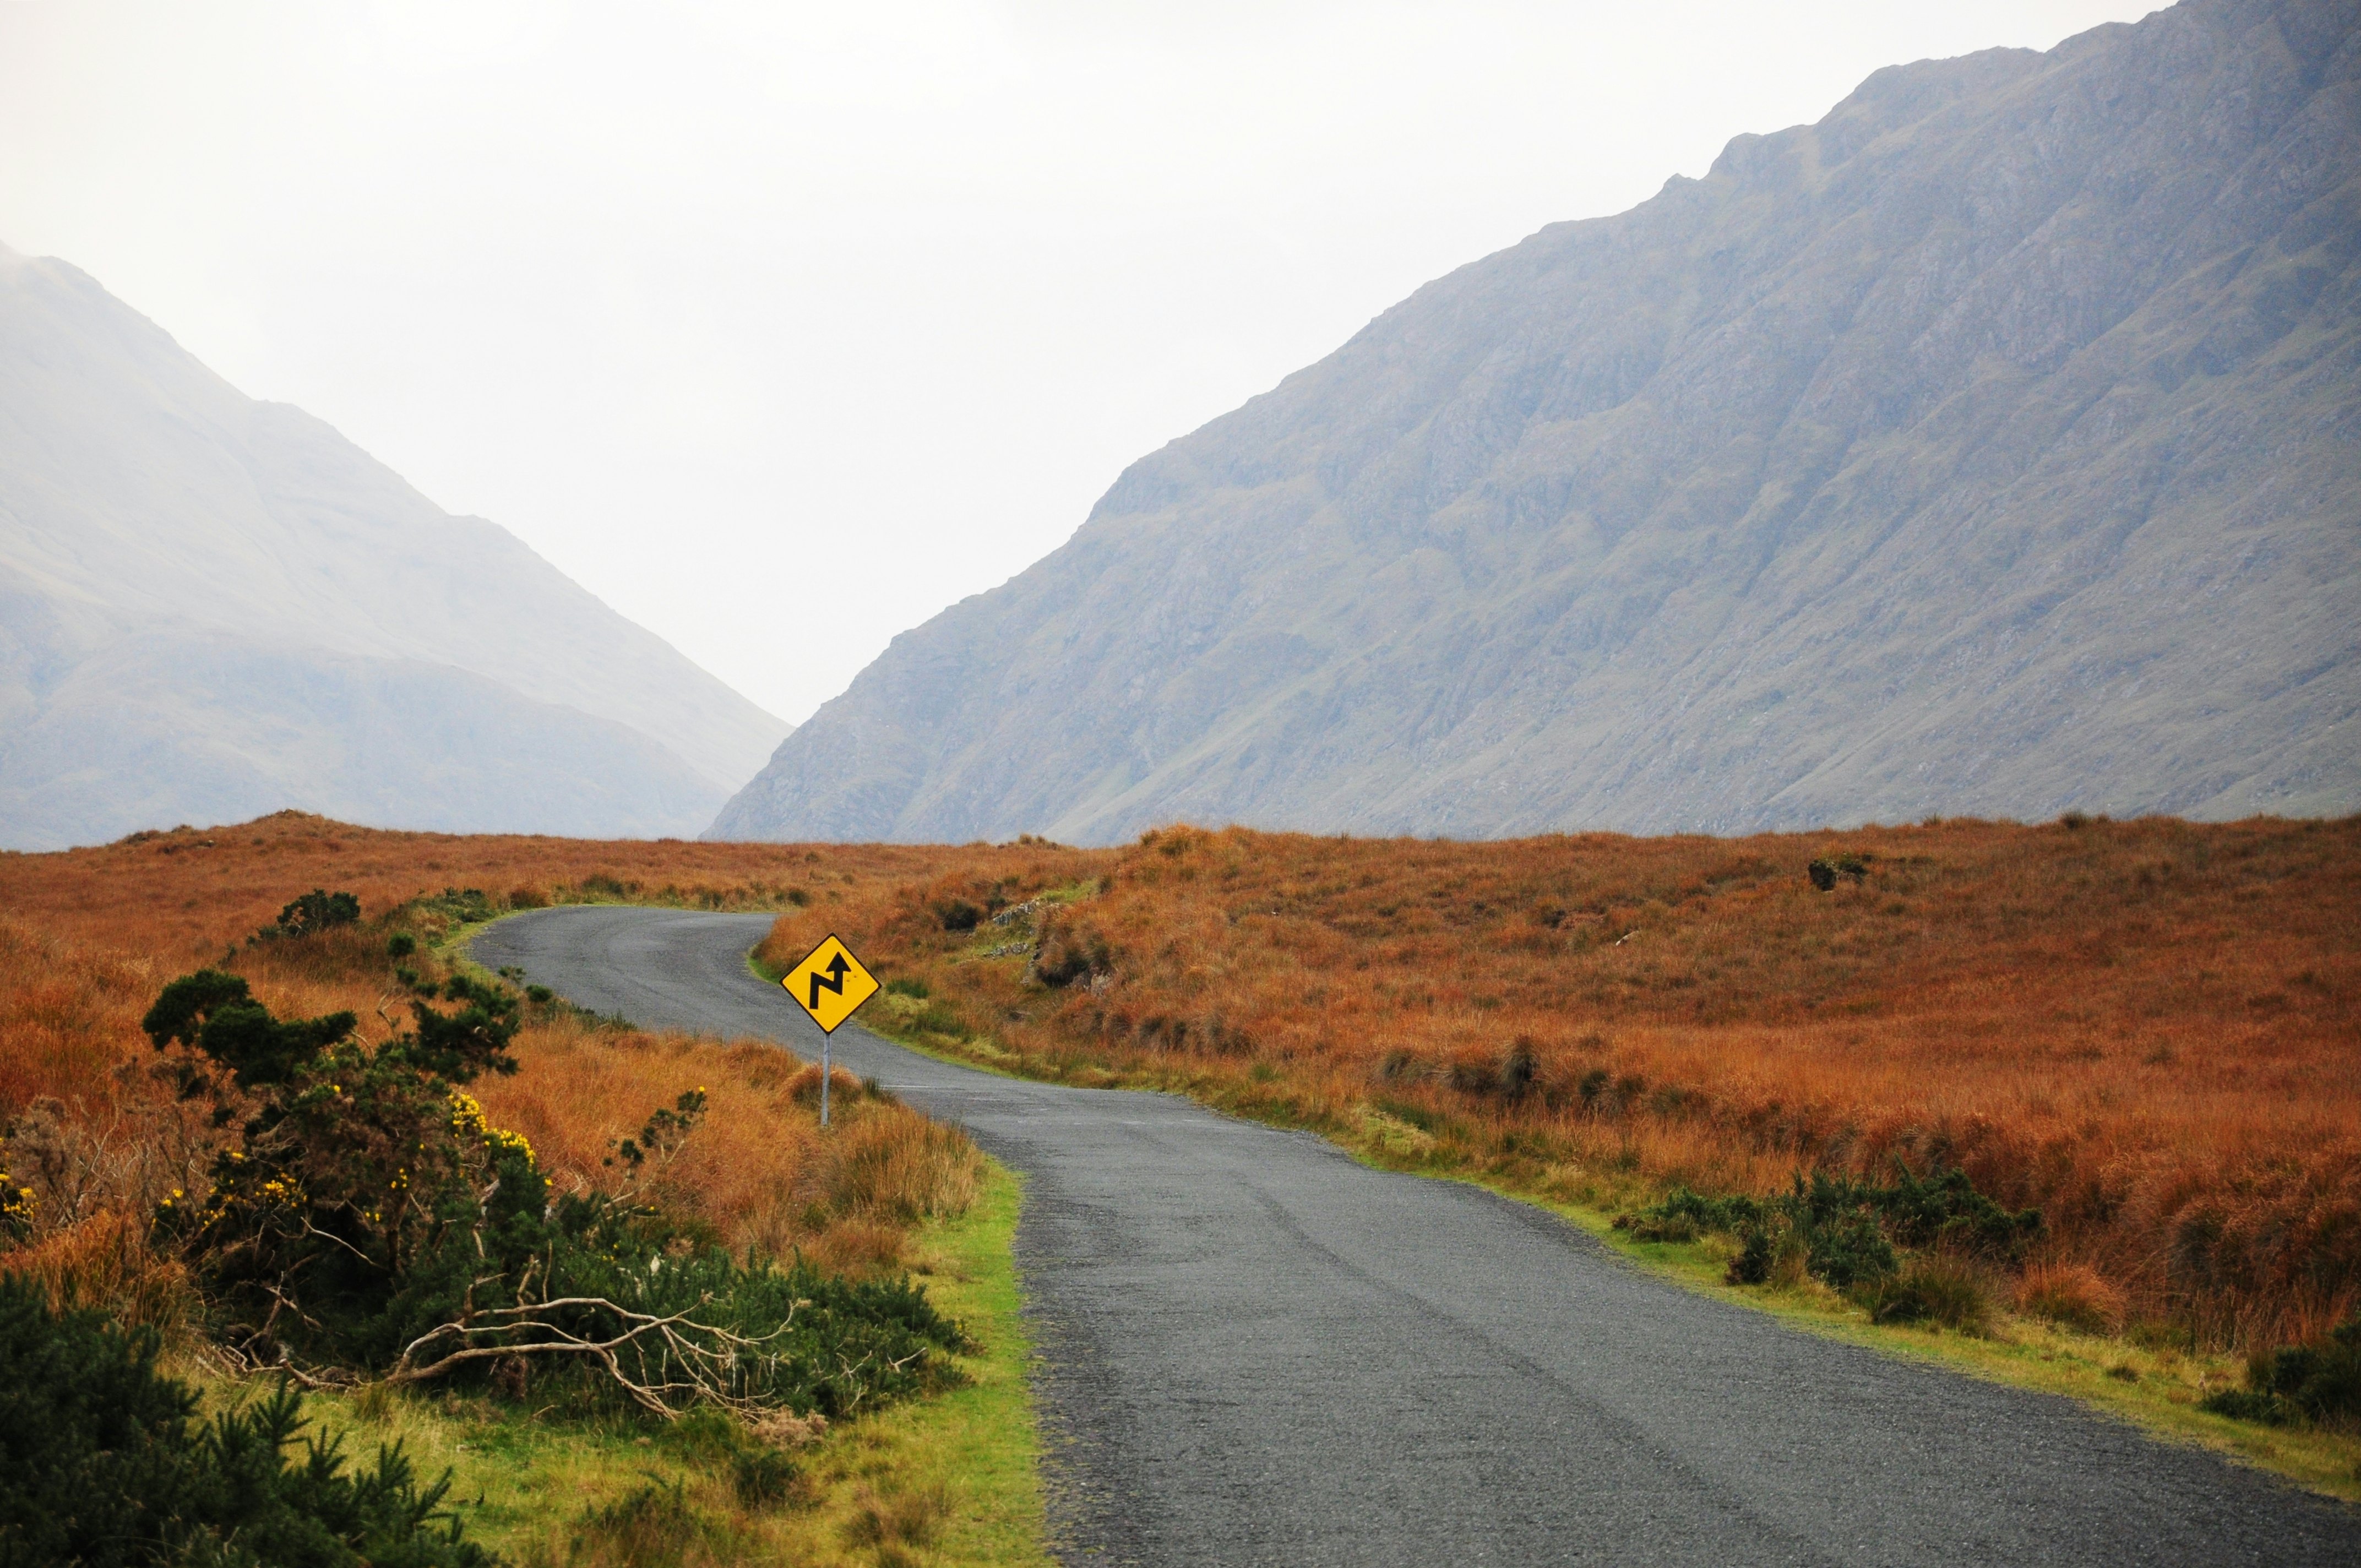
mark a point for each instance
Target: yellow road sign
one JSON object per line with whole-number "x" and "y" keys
{"x": 830, "y": 984}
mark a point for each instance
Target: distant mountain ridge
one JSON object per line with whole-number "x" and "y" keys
{"x": 211, "y": 607}
{"x": 1993, "y": 445}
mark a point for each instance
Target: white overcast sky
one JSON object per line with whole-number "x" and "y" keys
{"x": 782, "y": 327}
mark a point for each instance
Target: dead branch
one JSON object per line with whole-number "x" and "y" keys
{"x": 705, "y": 1353}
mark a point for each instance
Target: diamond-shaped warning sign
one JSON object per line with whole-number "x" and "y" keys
{"x": 830, "y": 984}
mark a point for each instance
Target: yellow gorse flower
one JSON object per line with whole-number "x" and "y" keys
{"x": 467, "y": 1117}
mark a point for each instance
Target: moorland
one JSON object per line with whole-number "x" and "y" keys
{"x": 2133, "y": 1040}
{"x": 2136, "y": 1039}
{"x": 105, "y": 1143}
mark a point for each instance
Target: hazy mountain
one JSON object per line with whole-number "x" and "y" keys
{"x": 211, "y": 607}
{"x": 1993, "y": 445}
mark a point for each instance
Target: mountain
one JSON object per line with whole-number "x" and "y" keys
{"x": 1993, "y": 445}
{"x": 212, "y": 608}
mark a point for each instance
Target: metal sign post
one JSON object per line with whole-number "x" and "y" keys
{"x": 830, "y": 985}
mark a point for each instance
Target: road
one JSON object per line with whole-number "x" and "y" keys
{"x": 1255, "y": 1351}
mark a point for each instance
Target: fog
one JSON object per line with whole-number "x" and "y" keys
{"x": 782, "y": 327}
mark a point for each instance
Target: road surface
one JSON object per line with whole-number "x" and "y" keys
{"x": 1255, "y": 1351}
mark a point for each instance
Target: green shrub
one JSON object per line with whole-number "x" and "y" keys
{"x": 366, "y": 1189}
{"x": 1766, "y": 1245}
{"x": 1847, "y": 1249}
{"x": 401, "y": 945}
{"x": 370, "y": 1217}
{"x": 2319, "y": 1383}
{"x": 1943, "y": 1210}
{"x": 316, "y": 911}
{"x": 1845, "y": 1228}
{"x": 1684, "y": 1215}
{"x": 102, "y": 1462}
{"x": 216, "y": 1013}
{"x": 1824, "y": 872}
{"x": 915, "y": 989}
{"x": 958, "y": 915}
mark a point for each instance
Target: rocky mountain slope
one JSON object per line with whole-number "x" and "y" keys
{"x": 1993, "y": 445}
{"x": 211, "y": 607}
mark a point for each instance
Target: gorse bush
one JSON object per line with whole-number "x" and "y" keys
{"x": 366, "y": 1188}
{"x": 1944, "y": 1210}
{"x": 317, "y": 911}
{"x": 1825, "y": 871}
{"x": 2316, "y": 1383}
{"x": 1844, "y": 1231}
{"x": 370, "y": 1217}
{"x": 103, "y": 1462}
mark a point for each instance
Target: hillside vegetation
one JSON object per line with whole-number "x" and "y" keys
{"x": 108, "y": 1142}
{"x": 2146, "y": 1030}
{"x": 1990, "y": 446}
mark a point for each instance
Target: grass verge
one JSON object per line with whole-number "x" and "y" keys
{"x": 949, "y": 1479}
{"x": 2154, "y": 1386}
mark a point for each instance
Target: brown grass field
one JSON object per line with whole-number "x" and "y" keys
{"x": 2147, "y": 1029}
{"x": 88, "y": 936}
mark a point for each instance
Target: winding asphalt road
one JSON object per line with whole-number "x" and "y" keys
{"x": 1255, "y": 1351}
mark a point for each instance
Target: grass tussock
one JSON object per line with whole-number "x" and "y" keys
{"x": 106, "y": 1261}
{"x": 1949, "y": 1292}
{"x": 652, "y": 1525}
{"x": 2072, "y": 1295}
{"x": 2144, "y": 1030}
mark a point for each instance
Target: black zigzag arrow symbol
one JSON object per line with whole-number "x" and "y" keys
{"x": 833, "y": 981}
